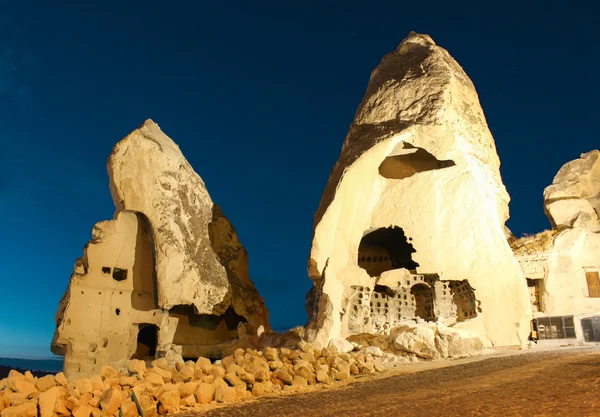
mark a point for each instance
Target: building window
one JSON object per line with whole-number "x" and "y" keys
{"x": 591, "y": 329}
{"x": 593, "y": 283}
{"x": 558, "y": 327}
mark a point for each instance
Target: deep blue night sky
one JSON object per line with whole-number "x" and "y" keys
{"x": 259, "y": 96}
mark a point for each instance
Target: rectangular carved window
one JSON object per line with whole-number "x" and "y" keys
{"x": 593, "y": 283}
{"x": 559, "y": 327}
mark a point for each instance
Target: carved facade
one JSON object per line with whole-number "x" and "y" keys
{"x": 167, "y": 277}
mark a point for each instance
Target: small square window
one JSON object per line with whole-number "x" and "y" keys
{"x": 105, "y": 270}
{"x": 119, "y": 274}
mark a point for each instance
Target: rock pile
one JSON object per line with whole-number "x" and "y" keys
{"x": 412, "y": 341}
{"x": 160, "y": 389}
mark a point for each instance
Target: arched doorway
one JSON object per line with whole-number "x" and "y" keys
{"x": 147, "y": 341}
{"x": 423, "y": 301}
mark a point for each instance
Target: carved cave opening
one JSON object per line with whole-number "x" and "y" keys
{"x": 196, "y": 331}
{"x": 463, "y": 296}
{"x": 119, "y": 274}
{"x": 385, "y": 249}
{"x": 534, "y": 288}
{"x": 147, "y": 340}
{"x": 423, "y": 301}
{"x": 409, "y": 160}
{"x": 144, "y": 296}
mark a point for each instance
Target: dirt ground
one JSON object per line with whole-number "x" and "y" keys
{"x": 560, "y": 382}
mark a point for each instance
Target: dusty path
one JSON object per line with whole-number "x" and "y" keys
{"x": 551, "y": 383}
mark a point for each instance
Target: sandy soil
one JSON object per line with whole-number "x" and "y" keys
{"x": 557, "y": 382}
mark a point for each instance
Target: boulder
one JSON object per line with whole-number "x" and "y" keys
{"x": 136, "y": 366}
{"x": 417, "y": 339}
{"x": 111, "y": 400}
{"x": 575, "y": 191}
{"x": 563, "y": 213}
{"x": 225, "y": 394}
{"x": 128, "y": 409}
{"x": 47, "y": 401}
{"x": 205, "y": 393}
{"x": 187, "y": 389}
{"x": 45, "y": 383}
{"x": 61, "y": 379}
{"x": 577, "y": 179}
{"x": 144, "y": 401}
{"x": 460, "y": 343}
{"x": 169, "y": 400}
{"x": 154, "y": 379}
{"x": 322, "y": 376}
{"x": 373, "y": 351}
{"x": 28, "y": 409}
{"x": 342, "y": 345}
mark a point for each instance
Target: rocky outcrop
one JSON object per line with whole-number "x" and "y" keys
{"x": 575, "y": 192}
{"x": 411, "y": 222}
{"x": 563, "y": 264}
{"x": 149, "y": 175}
{"x": 167, "y": 277}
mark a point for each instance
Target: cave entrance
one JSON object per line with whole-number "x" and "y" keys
{"x": 534, "y": 287}
{"x": 407, "y": 160}
{"x": 463, "y": 296}
{"x": 147, "y": 340}
{"x": 385, "y": 249}
{"x": 195, "y": 332}
{"x": 423, "y": 299}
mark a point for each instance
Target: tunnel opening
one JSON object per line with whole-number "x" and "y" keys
{"x": 385, "y": 249}
{"x": 409, "y": 160}
{"x": 147, "y": 340}
{"x": 423, "y": 301}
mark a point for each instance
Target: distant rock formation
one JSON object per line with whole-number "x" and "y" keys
{"x": 411, "y": 222}
{"x": 562, "y": 265}
{"x": 167, "y": 276}
{"x": 574, "y": 196}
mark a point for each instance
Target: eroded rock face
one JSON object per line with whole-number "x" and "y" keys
{"x": 575, "y": 192}
{"x": 415, "y": 203}
{"x": 149, "y": 175}
{"x": 167, "y": 277}
{"x": 562, "y": 265}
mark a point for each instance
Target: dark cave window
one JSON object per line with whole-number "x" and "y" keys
{"x": 392, "y": 248}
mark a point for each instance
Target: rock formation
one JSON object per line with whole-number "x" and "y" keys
{"x": 167, "y": 276}
{"x": 411, "y": 222}
{"x": 562, "y": 265}
{"x": 574, "y": 196}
